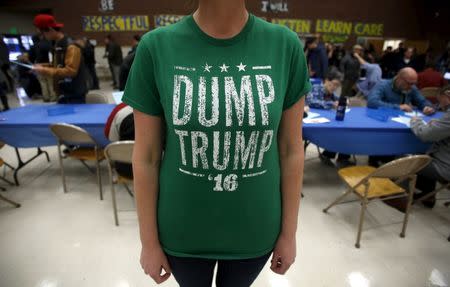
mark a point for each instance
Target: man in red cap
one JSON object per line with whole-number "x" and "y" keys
{"x": 68, "y": 69}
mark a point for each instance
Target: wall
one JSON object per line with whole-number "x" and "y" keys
{"x": 410, "y": 19}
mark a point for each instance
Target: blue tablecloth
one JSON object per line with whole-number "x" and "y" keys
{"x": 29, "y": 126}
{"x": 363, "y": 135}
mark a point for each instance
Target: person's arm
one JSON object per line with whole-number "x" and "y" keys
{"x": 360, "y": 59}
{"x": 71, "y": 65}
{"x": 419, "y": 101}
{"x": 147, "y": 154}
{"x": 375, "y": 98}
{"x": 435, "y": 130}
{"x": 291, "y": 153}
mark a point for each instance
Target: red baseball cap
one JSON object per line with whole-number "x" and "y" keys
{"x": 44, "y": 21}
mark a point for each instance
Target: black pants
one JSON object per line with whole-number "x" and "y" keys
{"x": 378, "y": 160}
{"x": 427, "y": 179}
{"x": 3, "y": 97}
{"x": 198, "y": 272}
{"x": 93, "y": 75}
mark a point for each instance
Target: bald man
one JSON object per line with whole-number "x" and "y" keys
{"x": 400, "y": 93}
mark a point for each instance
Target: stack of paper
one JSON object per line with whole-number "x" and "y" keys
{"x": 402, "y": 120}
{"x": 316, "y": 120}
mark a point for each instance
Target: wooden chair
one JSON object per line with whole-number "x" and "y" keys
{"x": 96, "y": 97}
{"x": 369, "y": 183}
{"x": 120, "y": 151}
{"x": 430, "y": 94}
{"x": 89, "y": 151}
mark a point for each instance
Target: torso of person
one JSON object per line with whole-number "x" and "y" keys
{"x": 222, "y": 101}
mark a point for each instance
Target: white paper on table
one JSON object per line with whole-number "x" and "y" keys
{"x": 414, "y": 114}
{"x": 402, "y": 120}
{"x": 316, "y": 120}
{"x": 347, "y": 110}
{"x": 312, "y": 115}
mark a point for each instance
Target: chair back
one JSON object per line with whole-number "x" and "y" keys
{"x": 68, "y": 133}
{"x": 121, "y": 151}
{"x": 96, "y": 97}
{"x": 403, "y": 167}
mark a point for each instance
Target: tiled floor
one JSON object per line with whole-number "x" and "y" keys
{"x": 58, "y": 239}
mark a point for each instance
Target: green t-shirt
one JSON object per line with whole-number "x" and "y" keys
{"x": 222, "y": 100}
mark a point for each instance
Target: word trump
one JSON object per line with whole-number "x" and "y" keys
{"x": 239, "y": 149}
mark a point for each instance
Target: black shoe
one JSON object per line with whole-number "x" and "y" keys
{"x": 429, "y": 203}
{"x": 326, "y": 160}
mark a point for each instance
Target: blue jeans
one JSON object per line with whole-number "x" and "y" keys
{"x": 198, "y": 272}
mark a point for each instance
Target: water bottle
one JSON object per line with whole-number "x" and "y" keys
{"x": 342, "y": 106}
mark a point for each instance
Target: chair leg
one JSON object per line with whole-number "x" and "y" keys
{"x": 99, "y": 177}
{"x": 61, "y": 165}
{"x": 408, "y": 209}
{"x": 17, "y": 205}
{"x": 128, "y": 190}
{"x": 337, "y": 200}
{"x": 361, "y": 222}
{"x": 113, "y": 195}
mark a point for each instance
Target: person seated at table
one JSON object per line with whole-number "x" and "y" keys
{"x": 323, "y": 96}
{"x": 436, "y": 131}
{"x": 120, "y": 127}
{"x": 400, "y": 93}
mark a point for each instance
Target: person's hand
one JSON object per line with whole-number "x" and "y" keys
{"x": 428, "y": 110}
{"x": 406, "y": 108}
{"x": 283, "y": 255}
{"x": 335, "y": 104}
{"x": 311, "y": 73}
{"x": 38, "y": 68}
{"x": 153, "y": 261}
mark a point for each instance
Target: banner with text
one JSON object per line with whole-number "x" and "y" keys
{"x": 333, "y": 31}
{"x": 115, "y": 23}
{"x": 166, "y": 20}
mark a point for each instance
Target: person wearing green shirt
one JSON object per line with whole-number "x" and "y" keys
{"x": 218, "y": 157}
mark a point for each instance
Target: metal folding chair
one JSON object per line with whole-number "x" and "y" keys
{"x": 369, "y": 183}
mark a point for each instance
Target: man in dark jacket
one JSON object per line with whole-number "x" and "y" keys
{"x": 68, "y": 70}
{"x": 89, "y": 59}
{"x": 351, "y": 69}
{"x": 39, "y": 54}
{"x": 113, "y": 52}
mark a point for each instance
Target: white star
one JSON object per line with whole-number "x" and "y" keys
{"x": 207, "y": 68}
{"x": 224, "y": 68}
{"x": 241, "y": 67}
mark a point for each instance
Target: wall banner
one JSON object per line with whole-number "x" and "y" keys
{"x": 166, "y": 20}
{"x": 115, "y": 23}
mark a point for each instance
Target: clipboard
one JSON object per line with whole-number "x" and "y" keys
{"x": 22, "y": 64}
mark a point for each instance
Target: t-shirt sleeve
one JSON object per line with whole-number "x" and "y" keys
{"x": 141, "y": 92}
{"x": 298, "y": 82}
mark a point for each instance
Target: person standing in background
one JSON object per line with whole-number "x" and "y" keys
{"x": 68, "y": 69}
{"x": 4, "y": 61}
{"x": 135, "y": 42}
{"x": 351, "y": 69}
{"x": 89, "y": 59}
{"x": 113, "y": 52}
{"x": 317, "y": 58}
{"x": 40, "y": 54}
